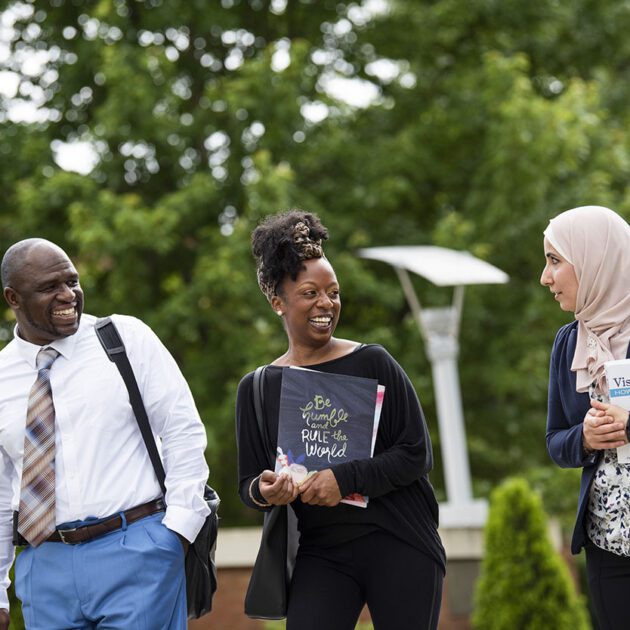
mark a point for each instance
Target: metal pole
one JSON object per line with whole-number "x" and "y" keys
{"x": 443, "y": 351}
{"x": 412, "y": 299}
{"x": 439, "y": 328}
{"x": 458, "y": 305}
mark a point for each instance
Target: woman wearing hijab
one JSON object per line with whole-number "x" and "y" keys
{"x": 387, "y": 554}
{"x": 587, "y": 253}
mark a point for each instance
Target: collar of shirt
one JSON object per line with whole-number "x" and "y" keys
{"x": 64, "y": 346}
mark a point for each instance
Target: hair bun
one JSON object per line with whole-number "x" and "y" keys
{"x": 281, "y": 243}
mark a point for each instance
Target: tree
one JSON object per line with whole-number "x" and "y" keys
{"x": 524, "y": 583}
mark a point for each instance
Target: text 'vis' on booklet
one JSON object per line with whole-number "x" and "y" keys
{"x": 618, "y": 378}
{"x": 326, "y": 419}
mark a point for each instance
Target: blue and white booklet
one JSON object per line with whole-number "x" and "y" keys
{"x": 618, "y": 378}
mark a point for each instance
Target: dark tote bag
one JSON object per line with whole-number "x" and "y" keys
{"x": 200, "y": 569}
{"x": 201, "y": 572}
{"x": 268, "y": 591}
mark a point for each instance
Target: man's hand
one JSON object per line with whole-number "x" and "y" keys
{"x": 321, "y": 489}
{"x": 604, "y": 426}
{"x": 5, "y": 620}
{"x": 277, "y": 489}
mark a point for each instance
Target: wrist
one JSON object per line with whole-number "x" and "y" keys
{"x": 586, "y": 449}
{"x": 254, "y": 489}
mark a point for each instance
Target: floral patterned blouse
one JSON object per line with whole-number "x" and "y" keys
{"x": 608, "y": 517}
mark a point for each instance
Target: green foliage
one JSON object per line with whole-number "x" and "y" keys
{"x": 17, "y": 621}
{"x": 558, "y": 489}
{"x": 524, "y": 583}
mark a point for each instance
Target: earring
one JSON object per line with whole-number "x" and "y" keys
{"x": 279, "y": 313}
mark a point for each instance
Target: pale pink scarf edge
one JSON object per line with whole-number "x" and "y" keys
{"x": 603, "y": 304}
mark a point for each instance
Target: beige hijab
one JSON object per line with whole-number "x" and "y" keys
{"x": 596, "y": 241}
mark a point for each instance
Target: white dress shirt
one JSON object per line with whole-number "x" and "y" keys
{"x": 101, "y": 463}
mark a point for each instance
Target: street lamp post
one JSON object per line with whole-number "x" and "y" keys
{"x": 439, "y": 328}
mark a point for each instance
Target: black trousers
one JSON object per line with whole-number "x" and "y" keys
{"x": 401, "y": 586}
{"x": 609, "y": 585}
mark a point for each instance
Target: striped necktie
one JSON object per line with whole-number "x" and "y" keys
{"x": 37, "y": 498}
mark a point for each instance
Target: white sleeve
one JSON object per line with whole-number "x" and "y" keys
{"x": 7, "y": 551}
{"x": 175, "y": 419}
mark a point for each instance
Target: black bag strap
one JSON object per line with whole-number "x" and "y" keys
{"x": 111, "y": 341}
{"x": 259, "y": 401}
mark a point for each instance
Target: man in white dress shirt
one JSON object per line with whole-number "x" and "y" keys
{"x": 115, "y": 559}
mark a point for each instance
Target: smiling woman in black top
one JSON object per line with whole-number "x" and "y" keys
{"x": 389, "y": 554}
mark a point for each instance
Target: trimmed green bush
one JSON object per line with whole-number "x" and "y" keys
{"x": 17, "y": 622}
{"x": 524, "y": 583}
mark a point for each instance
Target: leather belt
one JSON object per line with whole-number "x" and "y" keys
{"x": 84, "y": 533}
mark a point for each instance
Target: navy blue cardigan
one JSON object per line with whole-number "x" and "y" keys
{"x": 565, "y": 414}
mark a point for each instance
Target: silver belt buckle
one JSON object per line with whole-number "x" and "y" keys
{"x": 66, "y": 531}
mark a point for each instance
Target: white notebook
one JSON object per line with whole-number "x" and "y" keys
{"x": 618, "y": 377}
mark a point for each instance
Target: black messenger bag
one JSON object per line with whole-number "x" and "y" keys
{"x": 201, "y": 572}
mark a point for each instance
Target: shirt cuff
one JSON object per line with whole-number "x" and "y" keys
{"x": 185, "y": 522}
{"x": 343, "y": 475}
{"x": 588, "y": 458}
{"x": 4, "y": 599}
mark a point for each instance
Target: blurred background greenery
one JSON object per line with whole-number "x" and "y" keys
{"x": 461, "y": 124}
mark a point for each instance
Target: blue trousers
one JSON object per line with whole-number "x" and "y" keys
{"x": 129, "y": 579}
